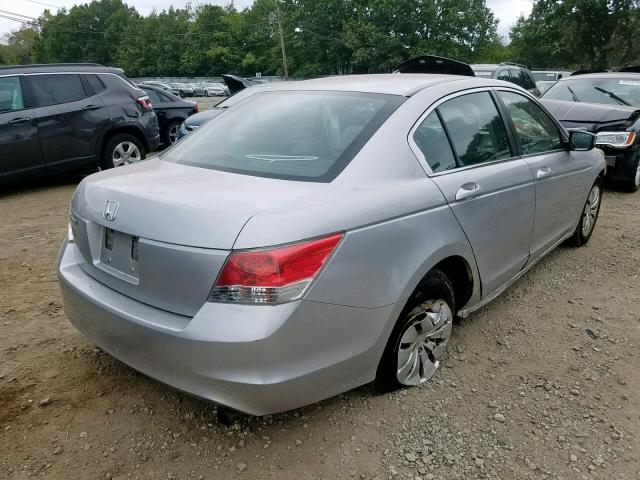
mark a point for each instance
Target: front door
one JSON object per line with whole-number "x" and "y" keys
{"x": 490, "y": 192}
{"x": 20, "y": 154}
{"x": 560, "y": 176}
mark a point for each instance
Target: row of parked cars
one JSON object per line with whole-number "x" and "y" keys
{"x": 55, "y": 118}
{"x": 205, "y": 89}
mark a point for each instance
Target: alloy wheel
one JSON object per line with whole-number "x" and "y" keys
{"x": 590, "y": 211}
{"x": 424, "y": 342}
{"x": 172, "y": 135}
{"x": 126, "y": 153}
{"x": 637, "y": 178}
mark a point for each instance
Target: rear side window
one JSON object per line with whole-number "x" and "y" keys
{"x": 56, "y": 89}
{"x": 536, "y": 131}
{"x": 477, "y": 131}
{"x": 294, "y": 135}
{"x": 95, "y": 83}
{"x": 504, "y": 75}
{"x": 10, "y": 94}
{"x": 153, "y": 96}
{"x": 525, "y": 80}
{"x": 431, "y": 139}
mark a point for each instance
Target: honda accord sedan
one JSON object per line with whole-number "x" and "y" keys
{"x": 323, "y": 235}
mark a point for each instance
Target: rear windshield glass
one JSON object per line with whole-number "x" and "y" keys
{"x": 294, "y": 135}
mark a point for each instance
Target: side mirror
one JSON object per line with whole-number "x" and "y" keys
{"x": 581, "y": 140}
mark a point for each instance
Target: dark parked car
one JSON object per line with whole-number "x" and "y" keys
{"x": 171, "y": 111}
{"x": 56, "y": 118}
{"x": 607, "y": 104}
{"x": 509, "y": 72}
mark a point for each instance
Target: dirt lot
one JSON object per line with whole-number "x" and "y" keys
{"x": 543, "y": 383}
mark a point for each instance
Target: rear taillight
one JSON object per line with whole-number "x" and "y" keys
{"x": 144, "y": 102}
{"x": 274, "y": 275}
{"x": 196, "y": 109}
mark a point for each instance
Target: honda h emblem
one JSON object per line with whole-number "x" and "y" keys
{"x": 111, "y": 210}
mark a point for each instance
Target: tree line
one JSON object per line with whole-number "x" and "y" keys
{"x": 323, "y": 37}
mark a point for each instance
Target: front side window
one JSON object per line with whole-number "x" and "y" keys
{"x": 10, "y": 94}
{"x": 476, "y": 129}
{"x": 431, "y": 139}
{"x": 54, "y": 89}
{"x": 536, "y": 131}
{"x": 293, "y": 135}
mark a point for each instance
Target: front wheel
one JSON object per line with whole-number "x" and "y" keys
{"x": 588, "y": 217}
{"x": 122, "y": 149}
{"x": 632, "y": 180}
{"x": 418, "y": 342}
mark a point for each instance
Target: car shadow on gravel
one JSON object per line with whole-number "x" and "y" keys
{"x": 44, "y": 183}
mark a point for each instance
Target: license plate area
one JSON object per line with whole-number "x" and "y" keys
{"x": 119, "y": 255}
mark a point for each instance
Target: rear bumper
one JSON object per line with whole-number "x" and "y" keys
{"x": 154, "y": 142}
{"x": 256, "y": 359}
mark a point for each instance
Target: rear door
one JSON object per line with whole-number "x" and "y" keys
{"x": 561, "y": 178}
{"x": 70, "y": 117}
{"x": 20, "y": 153}
{"x": 490, "y": 191}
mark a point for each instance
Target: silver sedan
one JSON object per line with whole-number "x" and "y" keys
{"x": 324, "y": 234}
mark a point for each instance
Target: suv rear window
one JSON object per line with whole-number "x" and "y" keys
{"x": 57, "y": 88}
{"x": 293, "y": 135}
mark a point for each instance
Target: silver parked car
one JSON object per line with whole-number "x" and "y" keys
{"x": 323, "y": 234}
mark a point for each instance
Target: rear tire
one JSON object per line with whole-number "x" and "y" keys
{"x": 588, "y": 216}
{"x": 122, "y": 149}
{"x": 418, "y": 341}
{"x": 171, "y": 133}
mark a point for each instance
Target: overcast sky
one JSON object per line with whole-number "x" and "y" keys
{"x": 507, "y": 11}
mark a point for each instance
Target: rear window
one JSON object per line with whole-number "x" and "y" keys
{"x": 293, "y": 135}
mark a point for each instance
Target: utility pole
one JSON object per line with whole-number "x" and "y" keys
{"x": 284, "y": 51}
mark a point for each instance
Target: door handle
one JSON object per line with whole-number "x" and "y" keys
{"x": 543, "y": 172}
{"x": 92, "y": 107}
{"x": 14, "y": 121}
{"x": 468, "y": 190}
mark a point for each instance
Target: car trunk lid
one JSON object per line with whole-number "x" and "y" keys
{"x": 160, "y": 232}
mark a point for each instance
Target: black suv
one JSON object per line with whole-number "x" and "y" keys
{"x": 509, "y": 72}
{"x": 61, "y": 117}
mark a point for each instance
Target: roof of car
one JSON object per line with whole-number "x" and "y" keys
{"x": 405, "y": 84}
{"x": 628, "y": 75}
{"x": 59, "y": 68}
{"x": 484, "y": 66}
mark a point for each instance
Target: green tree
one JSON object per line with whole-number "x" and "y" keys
{"x": 19, "y": 47}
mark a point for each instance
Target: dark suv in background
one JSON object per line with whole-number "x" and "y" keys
{"x": 509, "y": 72}
{"x": 56, "y": 118}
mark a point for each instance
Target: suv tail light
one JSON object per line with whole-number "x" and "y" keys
{"x": 273, "y": 275}
{"x": 144, "y": 102}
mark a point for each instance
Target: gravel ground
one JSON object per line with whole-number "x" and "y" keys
{"x": 543, "y": 383}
